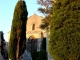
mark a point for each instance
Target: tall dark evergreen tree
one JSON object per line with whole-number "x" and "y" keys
{"x": 2, "y": 42}
{"x": 64, "y": 41}
{"x": 18, "y": 31}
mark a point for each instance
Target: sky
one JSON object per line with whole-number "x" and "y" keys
{"x": 7, "y": 11}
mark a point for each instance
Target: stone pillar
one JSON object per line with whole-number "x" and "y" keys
{"x": 47, "y": 40}
{"x": 38, "y": 44}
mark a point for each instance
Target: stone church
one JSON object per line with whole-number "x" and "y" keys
{"x": 34, "y": 34}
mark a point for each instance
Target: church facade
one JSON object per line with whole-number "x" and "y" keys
{"x": 33, "y": 33}
{"x": 33, "y": 27}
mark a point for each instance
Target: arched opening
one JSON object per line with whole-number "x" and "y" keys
{"x": 32, "y": 44}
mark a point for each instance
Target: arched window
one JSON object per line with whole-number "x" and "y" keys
{"x": 33, "y": 27}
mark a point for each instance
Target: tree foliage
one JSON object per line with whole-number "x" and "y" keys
{"x": 64, "y": 41}
{"x": 43, "y": 45}
{"x": 42, "y": 55}
{"x": 46, "y": 11}
{"x": 18, "y": 31}
{"x": 2, "y": 42}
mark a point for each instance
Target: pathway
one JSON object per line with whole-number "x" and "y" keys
{"x": 27, "y": 55}
{"x": 1, "y": 58}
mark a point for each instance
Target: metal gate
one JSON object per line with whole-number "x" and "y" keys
{"x": 31, "y": 45}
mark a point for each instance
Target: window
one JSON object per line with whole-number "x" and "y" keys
{"x": 33, "y": 27}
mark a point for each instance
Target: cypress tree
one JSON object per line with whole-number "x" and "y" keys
{"x": 43, "y": 45}
{"x": 64, "y": 41}
{"x": 17, "y": 42}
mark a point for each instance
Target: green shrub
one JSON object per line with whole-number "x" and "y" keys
{"x": 35, "y": 55}
{"x": 42, "y": 55}
{"x": 64, "y": 43}
{"x": 43, "y": 45}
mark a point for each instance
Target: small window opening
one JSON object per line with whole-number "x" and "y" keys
{"x": 33, "y": 27}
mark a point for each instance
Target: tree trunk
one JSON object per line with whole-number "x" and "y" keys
{"x": 17, "y": 50}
